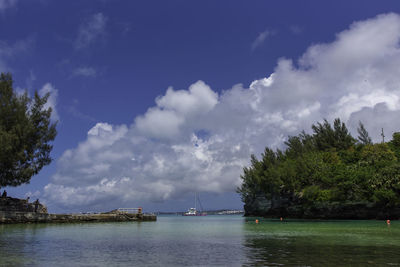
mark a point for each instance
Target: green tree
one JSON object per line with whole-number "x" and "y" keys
{"x": 327, "y": 137}
{"x": 395, "y": 144}
{"x": 26, "y": 133}
{"x": 325, "y": 171}
{"x": 363, "y": 135}
{"x": 396, "y": 140}
{"x": 297, "y": 145}
{"x": 377, "y": 155}
{"x": 250, "y": 185}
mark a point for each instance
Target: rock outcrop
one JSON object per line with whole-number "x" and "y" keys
{"x": 290, "y": 207}
{"x": 9, "y": 204}
{"x": 15, "y": 210}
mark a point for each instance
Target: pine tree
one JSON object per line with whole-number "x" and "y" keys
{"x": 363, "y": 135}
{"x": 327, "y": 137}
{"x": 25, "y": 134}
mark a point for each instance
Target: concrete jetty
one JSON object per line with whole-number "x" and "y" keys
{"x": 14, "y": 210}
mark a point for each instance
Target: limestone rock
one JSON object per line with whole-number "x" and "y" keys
{"x": 292, "y": 207}
{"x": 21, "y": 205}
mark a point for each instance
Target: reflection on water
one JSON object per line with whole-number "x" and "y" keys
{"x": 170, "y": 241}
{"x": 321, "y": 243}
{"x": 201, "y": 241}
{"x": 299, "y": 252}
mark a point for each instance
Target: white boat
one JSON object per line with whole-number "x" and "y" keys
{"x": 193, "y": 211}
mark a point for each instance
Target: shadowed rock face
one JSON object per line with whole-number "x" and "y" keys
{"x": 290, "y": 207}
{"x": 259, "y": 206}
{"x": 21, "y": 205}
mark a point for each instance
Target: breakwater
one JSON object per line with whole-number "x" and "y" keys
{"x": 14, "y": 210}
{"x": 34, "y": 217}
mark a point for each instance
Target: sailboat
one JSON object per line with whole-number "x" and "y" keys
{"x": 193, "y": 211}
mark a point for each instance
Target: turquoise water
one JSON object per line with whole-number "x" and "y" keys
{"x": 202, "y": 241}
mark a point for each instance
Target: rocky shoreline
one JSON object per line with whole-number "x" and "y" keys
{"x": 14, "y": 210}
{"x": 288, "y": 207}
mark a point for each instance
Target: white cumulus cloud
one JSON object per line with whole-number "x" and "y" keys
{"x": 176, "y": 110}
{"x": 199, "y": 140}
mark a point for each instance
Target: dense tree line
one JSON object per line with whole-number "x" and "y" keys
{"x": 327, "y": 166}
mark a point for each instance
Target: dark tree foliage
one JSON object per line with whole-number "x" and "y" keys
{"x": 395, "y": 144}
{"x": 297, "y": 145}
{"x": 396, "y": 140}
{"x": 327, "y": 167}
{"x": 327, "y": 137}
{"x": 363, "y": 135}
{"x": 25, "y": 134}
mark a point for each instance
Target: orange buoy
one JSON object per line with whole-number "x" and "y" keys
{"x": 256, "y": 220}
{"x": 388, "y": 222}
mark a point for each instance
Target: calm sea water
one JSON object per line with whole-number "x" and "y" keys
{"x": 202, "y": 241}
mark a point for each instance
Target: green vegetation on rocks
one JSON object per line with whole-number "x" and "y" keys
{"x": 326, "y": 174}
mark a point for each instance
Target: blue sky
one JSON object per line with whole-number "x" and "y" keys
{"x": 158, "y": 99}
